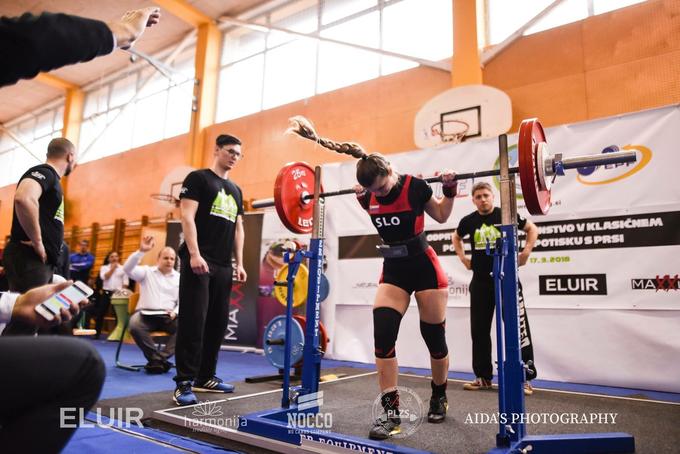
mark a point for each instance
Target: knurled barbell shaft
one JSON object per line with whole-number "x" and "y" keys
{"x": 617, "y": 157}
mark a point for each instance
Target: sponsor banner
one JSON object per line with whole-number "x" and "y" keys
{"x": 620, "y": 221}
{"x": 241, "y": 329}
{"x": 573, "y": 284}
{"x": 665, "y": 283}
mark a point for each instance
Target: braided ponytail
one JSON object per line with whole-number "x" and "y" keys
{"x": 304, "y": 128}
{"x": 369, "y": 166}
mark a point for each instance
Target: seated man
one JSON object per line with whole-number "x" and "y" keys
{"x": 158, "y": 304}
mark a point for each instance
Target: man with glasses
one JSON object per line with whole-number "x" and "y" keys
{"x": 212, "y": 222}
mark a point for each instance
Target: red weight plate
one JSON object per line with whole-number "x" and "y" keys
{"x": 293, "y": 181}
{"x": 323, "y": 337}
{"x": 530, "y": 135}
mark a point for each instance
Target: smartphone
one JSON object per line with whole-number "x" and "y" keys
{"x": 76, "y": 293}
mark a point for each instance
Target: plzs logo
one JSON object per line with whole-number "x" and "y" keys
{"x": 573, "y": 284}
{"x": 664, "y": 283}
{"x": 410, "y": 410}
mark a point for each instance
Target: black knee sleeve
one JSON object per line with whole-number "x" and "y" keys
{"x": 435, "y": 338}
{"x": 386, "y": 323}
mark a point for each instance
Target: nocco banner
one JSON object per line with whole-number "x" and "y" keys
{"x": 611, "y": 239}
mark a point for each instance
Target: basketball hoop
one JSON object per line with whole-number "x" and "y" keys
{"x": 167, "y": 198}
{"x": 457, "y": 136}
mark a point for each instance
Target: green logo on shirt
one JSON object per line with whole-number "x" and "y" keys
{"x": 224, "y": 206}
{"x": 59, "y": 215}
{"x": 484, "y": 233}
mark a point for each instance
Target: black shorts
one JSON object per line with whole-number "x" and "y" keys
{"x": 415, "y": 273}
{"x": 24, "y": 269}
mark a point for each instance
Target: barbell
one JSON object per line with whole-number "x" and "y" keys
{"x": 293, "y": 188}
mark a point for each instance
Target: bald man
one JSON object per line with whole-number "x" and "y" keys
{"x": 158, "y": 304}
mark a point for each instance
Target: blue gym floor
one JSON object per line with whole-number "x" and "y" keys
{"x": 234, "y": 367}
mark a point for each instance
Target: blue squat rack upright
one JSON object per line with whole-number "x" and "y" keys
{"x": 302, "y": 402}
{"x": 512, "y": 437}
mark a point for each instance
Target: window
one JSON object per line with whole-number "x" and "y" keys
{"x": 289, "y": 73}
{"x": 506, "y": 17}
{"x": 301, "y": 16}
{"x": 178, "y": 113}
{"x": 334, "y": 10}
{"x": 604, "y": 6}
{"x": 149, "y": 119}
{"x": 565, "y": 13}
{"x": 240, "y": 88}
{"x": 242, "y": 43}
{"x": 141, "y": 107}
{"x": 35, "y": 133}
{"x": 289, "y": 67}
{"x": 410, "y": 29}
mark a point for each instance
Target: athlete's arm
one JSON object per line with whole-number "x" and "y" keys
{"x": 440, "y": 209}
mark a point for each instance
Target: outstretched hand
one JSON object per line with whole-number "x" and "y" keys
{"x": 131, "y": 26}
{"x": 147, "y": 243}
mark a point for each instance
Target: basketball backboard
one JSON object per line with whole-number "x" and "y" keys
{"x": 487, "y": 112}
{"x": 168, "y": 191}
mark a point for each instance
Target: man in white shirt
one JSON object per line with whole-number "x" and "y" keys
{"x": 158, "y": 304}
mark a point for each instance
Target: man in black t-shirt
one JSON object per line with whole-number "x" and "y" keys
{"x": 481, "y": 225}
{"x": 38, "y": 223}
{"x": 212, "y": 223}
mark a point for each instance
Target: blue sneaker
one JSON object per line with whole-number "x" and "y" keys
{"x": 212, "y": 385}
{"x": 183, "y": 395}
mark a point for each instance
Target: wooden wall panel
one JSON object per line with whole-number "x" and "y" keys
{"x": 637, "y": 85}
{"x": 543, "y": 56}
{"x": 119, "y": 186}
{"x": 555, "y": 101}
{"x": 630, "y": 34}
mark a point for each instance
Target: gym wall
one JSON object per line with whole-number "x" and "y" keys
{"x": 622, "y": 61}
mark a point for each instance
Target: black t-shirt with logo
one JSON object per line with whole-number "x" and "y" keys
{"x": 399, "y": 215}
{"x": 220, "y": 201}
{"x": 51, "y": 211}
{"x": 481, "y": 227}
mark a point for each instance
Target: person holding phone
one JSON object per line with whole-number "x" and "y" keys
{"x": 30, "y": 415}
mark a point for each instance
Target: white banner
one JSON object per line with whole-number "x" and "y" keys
{"x": 601, "y": 286}
{"x": 611, "y": 240}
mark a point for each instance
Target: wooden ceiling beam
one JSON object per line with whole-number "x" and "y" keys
{"x": 185, "y": 11}
{"x": 56, "y": 82}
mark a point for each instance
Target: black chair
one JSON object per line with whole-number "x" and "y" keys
{"x": 159, "y": 336}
